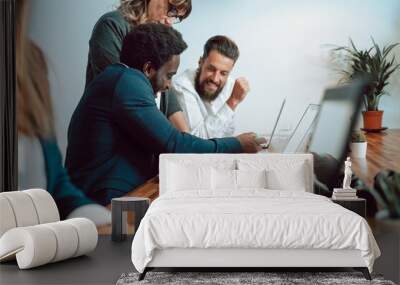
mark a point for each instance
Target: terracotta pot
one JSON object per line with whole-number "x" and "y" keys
{"x": 372, "y": 119}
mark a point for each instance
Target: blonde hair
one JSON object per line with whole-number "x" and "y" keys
{"x": 33, "y": 107}
{"x": 134, "y": 11}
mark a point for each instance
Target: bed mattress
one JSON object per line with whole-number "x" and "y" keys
{"x": 250, "y": 219}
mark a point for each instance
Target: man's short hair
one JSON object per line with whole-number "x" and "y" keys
{"x": 223, "y": 45}
{"x": 152, "y": 42}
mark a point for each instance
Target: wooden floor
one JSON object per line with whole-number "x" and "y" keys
{"x": 383, "y": 152}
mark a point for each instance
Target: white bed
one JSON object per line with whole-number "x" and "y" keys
{"x": 202, "y": 220}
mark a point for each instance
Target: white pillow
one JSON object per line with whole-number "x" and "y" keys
{"x": 226, "y": 179}
{"x": 251, "y": 178}
{"x": 182, "y": 177}
{"x": 223, "y": 179}
{"x": 291, "y": 177}
{"x": 281, "y": 174}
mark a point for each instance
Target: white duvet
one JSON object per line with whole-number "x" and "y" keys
{"x": 251, "y": 218}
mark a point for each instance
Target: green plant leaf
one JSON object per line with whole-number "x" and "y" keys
{"x": 394, "y": 185}
{"x": 379, "y": 199}
{"x": 397, "y": 183}
{"x": 353, "y": 45}
{"x": 386, "y": 183}
{"x": 387, "y": 49}
{"x": 377, "y": 49}
{"x": 373, "y": 62}
{"x": 365, "y": 101}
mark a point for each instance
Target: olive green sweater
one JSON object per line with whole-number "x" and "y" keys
{"x": 105, "y": 47}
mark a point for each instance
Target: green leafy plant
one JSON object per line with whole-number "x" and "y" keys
{"x": 374, "y": 63}
{"x": 358, "y": 137}
{"x": 386, "y": 192}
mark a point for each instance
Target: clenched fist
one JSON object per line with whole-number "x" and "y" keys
{"x": 249, "y": 142}
{"x": 239, "y": 92}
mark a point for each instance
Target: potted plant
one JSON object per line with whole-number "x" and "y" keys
{"x": 386, "y": 192}
{"x": 377, "y": 64}
{"x": 386, "y": 225}
{"x": 358, "y": 144}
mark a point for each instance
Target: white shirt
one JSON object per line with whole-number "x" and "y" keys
{"x": 206, "y": 120}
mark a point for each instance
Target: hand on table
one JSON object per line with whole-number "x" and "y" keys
{"x": 250, "y": 142}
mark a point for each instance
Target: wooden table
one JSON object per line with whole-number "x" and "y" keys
{"x": 383, "y": 152}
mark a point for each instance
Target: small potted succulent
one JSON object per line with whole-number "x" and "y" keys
{"x": 376, "y": 64}
{"x": 358, "y": 144}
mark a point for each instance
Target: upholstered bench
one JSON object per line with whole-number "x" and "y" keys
{"x": 31, "y": 231}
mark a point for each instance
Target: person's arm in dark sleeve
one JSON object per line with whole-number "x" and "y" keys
{"x": 171, "y": 108}
{"x": 172, "y": 104}
{"x": 137, "y": 114}
{"x": 104, "y": 47}
{"x": 66, "y": 195}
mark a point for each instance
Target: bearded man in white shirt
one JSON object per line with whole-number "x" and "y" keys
{"x": 209, "y": 96}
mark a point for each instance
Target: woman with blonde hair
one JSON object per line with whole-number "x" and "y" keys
{"x": 39, "y": 157}
{"x": 109, "y": 31}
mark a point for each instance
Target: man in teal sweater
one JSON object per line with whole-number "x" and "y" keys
{"x": 117, "y": 132}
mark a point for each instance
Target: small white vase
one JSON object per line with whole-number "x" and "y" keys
{"x": 359, "y": 149}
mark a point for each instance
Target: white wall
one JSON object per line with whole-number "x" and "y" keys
{"x": 284, "y": 49}
{"x": 62, "y": 28}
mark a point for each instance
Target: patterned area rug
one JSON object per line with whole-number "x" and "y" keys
{"x": 231, "y": 278}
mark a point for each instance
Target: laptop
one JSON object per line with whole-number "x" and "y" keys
{"x": 325, "y": 128}
{"x": 337, "y": 116}
{"x": 296, "y": 141}
{"x": 268, "y": 144}
{"x": 336, "y": 119}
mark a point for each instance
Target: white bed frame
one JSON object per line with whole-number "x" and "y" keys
{"x": 250, "y": 258}
{"x": 234, "y": 257}
{"x": 256, "y": 258}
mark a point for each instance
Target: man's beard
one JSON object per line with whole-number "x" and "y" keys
{"x": 201, "y": 90}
